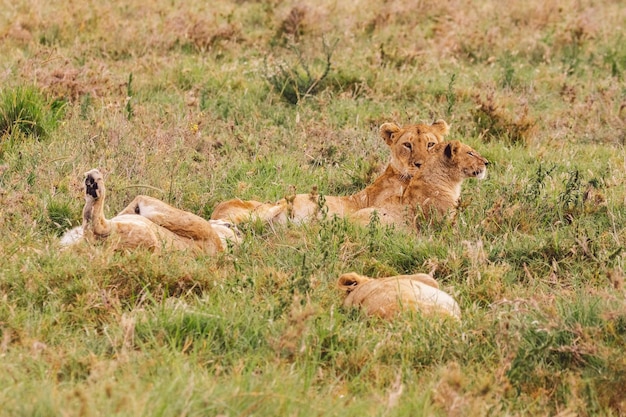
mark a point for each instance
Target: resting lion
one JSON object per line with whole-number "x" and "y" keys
{"x": 148, "y": 223}
{"x": 386, "y": 297}
{"x": 435, "y": 189}
{"x": 409, "y": 147}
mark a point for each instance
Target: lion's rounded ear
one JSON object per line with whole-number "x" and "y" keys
{"x": 425, "y": 279}
{"x": 348, "y": 282}
{"x": 441, "y": 126}
{"x": 452, "y": 148}
{"x": 388, "y": 129}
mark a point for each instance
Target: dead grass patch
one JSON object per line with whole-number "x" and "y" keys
{"x": 493, "y": 122}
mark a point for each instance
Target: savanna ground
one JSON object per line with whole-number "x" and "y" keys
{"x": 196, "y": 102}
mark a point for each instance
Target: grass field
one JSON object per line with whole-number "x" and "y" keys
{"x": 197, "y": 102}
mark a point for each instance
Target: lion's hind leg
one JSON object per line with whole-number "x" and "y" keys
{"x": 179, "y": 222}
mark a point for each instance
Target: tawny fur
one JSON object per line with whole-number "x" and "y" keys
{"x": 183, "y": 223}
{"x": 160, "y": 227}
{"x": 409, "y": 147}
{"x": 386, "y": 297}
{"x": 435, "y": 189}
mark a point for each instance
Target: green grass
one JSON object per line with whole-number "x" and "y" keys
{"x": 25, "y": 113}
{"x": 178, "y": 101}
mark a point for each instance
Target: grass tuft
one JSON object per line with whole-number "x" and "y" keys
{"x": 298, "y": 76}
{"x": 493, "y": 123}
{"x": 61, "y": 216}
{"x": 25, "y": 112}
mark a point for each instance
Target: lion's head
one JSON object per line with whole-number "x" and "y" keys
{"x": 410, "y": 144}
{"x": 463, "y": 159}
{"x": 437, "y": 185}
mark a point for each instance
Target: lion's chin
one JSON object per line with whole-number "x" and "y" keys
{"x": 406, "y": 176}
{"x": 479, "y": 174}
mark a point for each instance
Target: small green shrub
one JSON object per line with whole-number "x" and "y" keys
{"x": 24, "y": 111}
{"x": 60, "y": 217}
{"x": 572, "y": 196}
{"x": 129, "y": 95}
{"x": 297, "y": 79}
{"x": 451, "y": 95}
{"x": 537, "y": 184}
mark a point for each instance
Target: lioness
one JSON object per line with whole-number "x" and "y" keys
{"x": 409, "y": 147}
{"x": 436, "y": 188}
{"x": 158, "y": 227}
{"x": 385, "y": 297}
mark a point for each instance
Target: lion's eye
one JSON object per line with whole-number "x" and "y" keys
{"x": 407, "y": 145}
{"x": 430, "y": 144}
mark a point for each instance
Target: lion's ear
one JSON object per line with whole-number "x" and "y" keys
{"x": 425, "y": 279}
{"x": 452, "y": 148}
{"x": 441, "y": 126}
{"x": 388, "y": 129}
{"x": 348, "y": 282}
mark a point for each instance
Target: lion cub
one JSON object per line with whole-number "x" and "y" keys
{"x": 386, "y": 297}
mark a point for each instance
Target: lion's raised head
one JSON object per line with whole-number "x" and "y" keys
{"x": 410, "y": 144}
{"x": 463, "y": 158}
{"x": 437, "y": 186}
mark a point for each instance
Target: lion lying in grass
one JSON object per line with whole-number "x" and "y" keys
{"x": 409, "y": 147}
{"x": 434, "y": 189}
{"x": 386, "y": 297}
{"x": 147, "y": 223}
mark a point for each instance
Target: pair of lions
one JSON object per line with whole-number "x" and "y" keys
{"x": 408, "y": 147}
{"x": 434, "y": 190}
{"x": 424, "y": 174}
